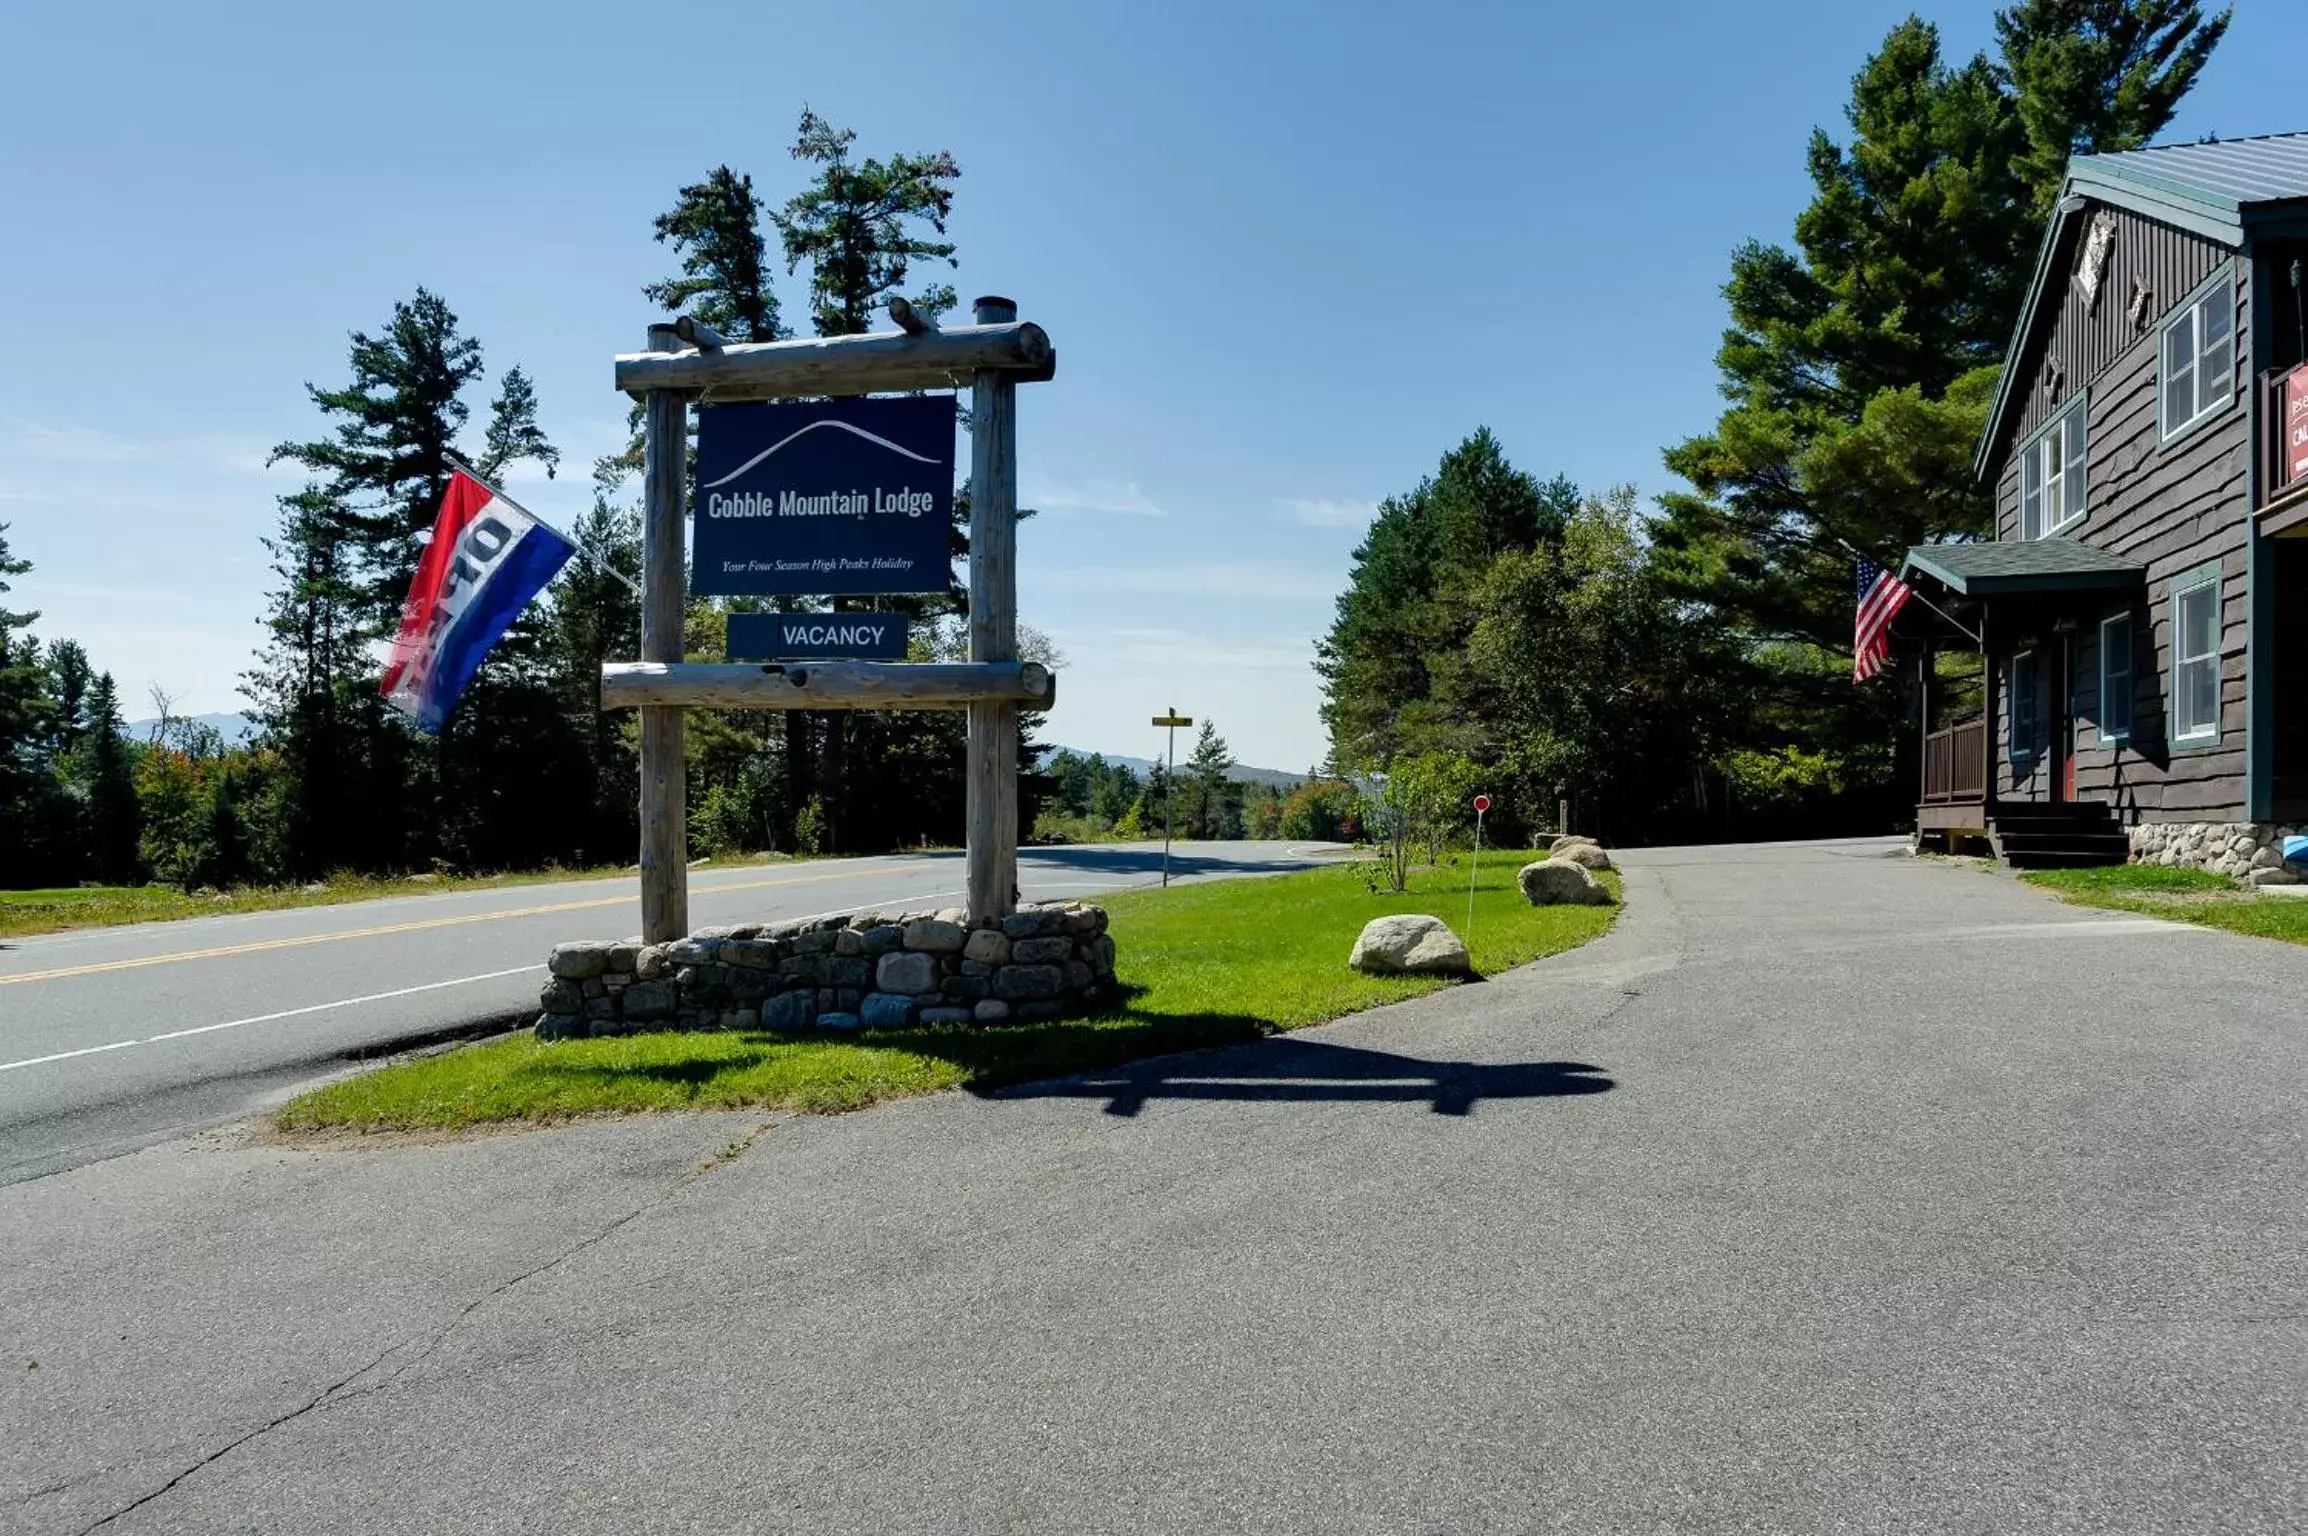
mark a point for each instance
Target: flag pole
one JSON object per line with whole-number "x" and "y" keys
{"x": 599, "y": 564}
{"x": 1893, "y": 567}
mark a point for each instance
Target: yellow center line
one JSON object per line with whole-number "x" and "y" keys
{"x": 262, "y": 945}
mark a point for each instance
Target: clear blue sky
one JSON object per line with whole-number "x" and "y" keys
{"x": 1288, "y": 255}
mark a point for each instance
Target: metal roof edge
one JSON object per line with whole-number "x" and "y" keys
{"x": 2215, "y": 216}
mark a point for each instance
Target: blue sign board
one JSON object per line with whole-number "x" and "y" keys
{"x": 824, "y": 496}
{"x": 814, "y": 636}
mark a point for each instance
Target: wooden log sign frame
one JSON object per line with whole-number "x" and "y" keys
{"x": 686, "y": 361}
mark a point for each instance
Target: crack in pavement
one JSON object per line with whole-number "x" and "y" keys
{"x": 336, "y": 1392}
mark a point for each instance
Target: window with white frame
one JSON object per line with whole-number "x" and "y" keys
{"x": 2199, "y": 358}
{"x": 2052, "y": 483}
{"x": 2196, "y": 657}
{"x": 2026, "y": 706}
{"x": 2115, "y": 679}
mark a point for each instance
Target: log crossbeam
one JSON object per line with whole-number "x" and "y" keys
{"x": 827, "y": 685}
{"x": 927, "y": 358}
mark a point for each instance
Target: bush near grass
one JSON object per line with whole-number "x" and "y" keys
{"x": 1202, "y": 965}
{"x": 2182, "y": 895}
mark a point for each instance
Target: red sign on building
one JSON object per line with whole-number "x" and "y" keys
{"x": 2296, "y": 425}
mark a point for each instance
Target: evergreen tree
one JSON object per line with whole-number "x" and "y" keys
{"x": 386, "y": 459}
{"x": 1393, "y": 665}
{"x": 1213, "y": 801}
{"x": 114, "y": 818}
{"x": 488, "y": 788}
{"x": 309, "y": 695}
{"x": 2095, "y": 76}
{"x": 514, "y": 434}
{"x": 725, "y": 281}
{"x": 595, "y": 618}
{"x": 27, "y": 715}
{"x": 69, "y": 678}
{"x": 1859, "y": 365}
{"x": 861, "y": 226}
{"x": 716, "y": 226}
{"x": 858, "y": 226}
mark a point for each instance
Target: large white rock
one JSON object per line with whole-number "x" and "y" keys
{"x": 1586, "y": 854}
{"x": 1409, "y": 944}
{"x": 1561, "y": 882}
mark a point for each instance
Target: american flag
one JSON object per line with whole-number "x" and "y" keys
{"x": 1881, "y": 596}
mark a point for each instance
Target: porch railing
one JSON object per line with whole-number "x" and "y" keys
{"x": 1955, "y": 764}
{"x": 2283, "y": 431}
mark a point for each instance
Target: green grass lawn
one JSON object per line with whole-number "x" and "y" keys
{"x": 2183, "y": 895}
{"x": 23, "y": 913}
{"x": 1204, "y": 965}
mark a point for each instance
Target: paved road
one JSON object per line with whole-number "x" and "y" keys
{"x": 1830, "y": 1192}
{"x": 109, "y": 1037}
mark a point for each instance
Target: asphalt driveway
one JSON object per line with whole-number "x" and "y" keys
{"x": 1830, "y": 1192}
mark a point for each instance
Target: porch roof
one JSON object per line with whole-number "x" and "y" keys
{"x": 2009, "y": 567}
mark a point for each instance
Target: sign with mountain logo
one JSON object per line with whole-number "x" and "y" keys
{"x": 824, "y": 497}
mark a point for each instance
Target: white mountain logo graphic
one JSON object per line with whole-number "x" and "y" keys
{"x": 870, "y": 437}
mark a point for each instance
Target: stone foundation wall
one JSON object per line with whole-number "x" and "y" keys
{"x": 2242, "y": 849}
{"x": 873, "y": 970}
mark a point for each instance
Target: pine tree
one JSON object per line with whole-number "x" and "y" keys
{"x": 114, "y": 820}
{"x": 716, "y": 226}
{"x": 310, "y": 702}
{"x": 1859, "y": 365}
{"x": 1214, "y": 805}
{"x": 514, "y": 434}
{"x": 69, "y": 678}
{"x": 725, "y": 281}
{"x": 594, "y": 617}
{"x": 861, "y": 226}
{"x": 2094, "y": 76}
{"x": 384, "y": 467}
{"x": 386, "y": 461}
{"x": 856, "y": 225}
{"x": 1392, "y": 667}
{"x": 27, "y": 716}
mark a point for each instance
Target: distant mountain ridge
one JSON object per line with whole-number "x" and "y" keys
{"x": 237, "y": 730}
{"x": 1240, "y": 773}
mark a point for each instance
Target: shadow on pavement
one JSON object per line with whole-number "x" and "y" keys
{"x": 1308, "y": 1071}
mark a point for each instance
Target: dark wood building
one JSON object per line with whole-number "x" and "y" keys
{"x": 2145, "y": 686}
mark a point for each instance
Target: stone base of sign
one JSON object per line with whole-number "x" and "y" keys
{"x": 2245, "y": 850}
{"x": 873, "y": 970}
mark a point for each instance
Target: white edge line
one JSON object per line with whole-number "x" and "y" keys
{"x": 265, "y": 1018}
{"x": 435, "y": 986}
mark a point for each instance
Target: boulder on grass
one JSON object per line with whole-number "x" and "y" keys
{"x": 1409, "y": 945}
{"x": 1585, "y": 854}
{"x": 1561, "y": 882}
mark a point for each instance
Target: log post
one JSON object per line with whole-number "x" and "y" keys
{"x": 992, "y": 781}
{"x": 664, "y": 780}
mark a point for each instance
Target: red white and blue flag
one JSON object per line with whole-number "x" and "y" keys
{"x": 486, "y": 560}
{"x": 1881, "y": 596}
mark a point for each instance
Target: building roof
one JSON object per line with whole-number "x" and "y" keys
{"x": 2010, "y": 566}
{"x": 2231, "y": 190}
{"x": 2225, "y": 177}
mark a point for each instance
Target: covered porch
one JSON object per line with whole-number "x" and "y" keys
{"x": 1999, "y": 740}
